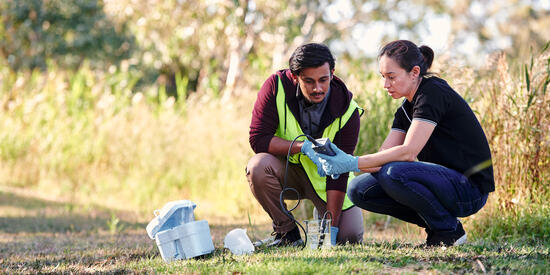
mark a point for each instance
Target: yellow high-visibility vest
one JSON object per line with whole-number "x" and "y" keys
{"x": 289, "y": 128}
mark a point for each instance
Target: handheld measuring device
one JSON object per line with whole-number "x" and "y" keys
{"x": 322, "y": 146}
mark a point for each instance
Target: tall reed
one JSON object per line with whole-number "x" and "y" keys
{"x": 514, "y": 107}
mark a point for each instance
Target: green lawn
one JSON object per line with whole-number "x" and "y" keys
{"x": 42, "y": 236}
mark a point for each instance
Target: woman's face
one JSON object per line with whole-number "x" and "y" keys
{"x": 398, "y": 82}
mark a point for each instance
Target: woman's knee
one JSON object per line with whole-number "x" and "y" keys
{"x": 353, "y": 187}
{"x": 359, "y": 186}
{"x": 391, "y": 173}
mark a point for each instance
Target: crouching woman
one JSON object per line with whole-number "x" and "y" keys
{"x": 434, "y": 125}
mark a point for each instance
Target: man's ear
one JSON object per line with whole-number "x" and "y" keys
{"x": 331, "y": 74}
{"x": 294, "y": 78}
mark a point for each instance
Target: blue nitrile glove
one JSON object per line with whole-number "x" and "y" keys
{"x": 333, "y": 233}
{"x": 340, "y": 163}
{"x": 312, "y": 155}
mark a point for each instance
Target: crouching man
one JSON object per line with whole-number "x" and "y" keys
{"x": 305, "y": 99}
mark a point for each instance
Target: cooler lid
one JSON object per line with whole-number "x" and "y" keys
{"x": 163, "y": 215}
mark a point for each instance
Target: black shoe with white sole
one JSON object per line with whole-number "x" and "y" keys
{"x": 447, "y": 238}
{"x": 429, "y": 233}
{"x": 291, "y": 238}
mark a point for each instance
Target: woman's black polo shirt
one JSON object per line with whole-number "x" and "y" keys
{"x": 458, "y": 141}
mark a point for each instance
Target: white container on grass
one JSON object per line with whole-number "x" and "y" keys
{"x": 185, "y": 241}
{"x": 177, "y": 234}
{"x": 238, "y": 242}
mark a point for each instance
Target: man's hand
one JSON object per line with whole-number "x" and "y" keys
{"x": 339, "y": 163}
{"x": 312, "y": 155}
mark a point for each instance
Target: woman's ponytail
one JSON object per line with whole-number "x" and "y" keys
{"x": 408, "y": 55}
{"x": 428, "y": 55}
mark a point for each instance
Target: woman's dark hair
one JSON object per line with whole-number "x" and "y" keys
{"x": 408, "y": 55}
{"x": 310, "y": 55}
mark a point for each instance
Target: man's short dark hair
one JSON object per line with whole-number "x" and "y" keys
{"x": 310, "y": 55}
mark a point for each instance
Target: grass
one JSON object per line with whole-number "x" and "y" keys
{"x": 38, "y": 235}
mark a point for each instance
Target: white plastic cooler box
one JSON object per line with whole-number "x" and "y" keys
{"x": 177, "y": 234}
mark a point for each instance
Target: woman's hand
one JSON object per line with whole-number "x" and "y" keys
{"x": 339, "y": 163}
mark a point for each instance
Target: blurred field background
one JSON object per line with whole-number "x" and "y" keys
{"x": 128, "y": 104}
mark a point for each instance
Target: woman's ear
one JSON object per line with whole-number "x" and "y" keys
{"x": 415, "y": 72}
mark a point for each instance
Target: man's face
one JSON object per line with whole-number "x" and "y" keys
{"x": 315, "y": 82}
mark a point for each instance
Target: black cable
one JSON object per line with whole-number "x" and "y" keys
{"x": 281, "y": 200}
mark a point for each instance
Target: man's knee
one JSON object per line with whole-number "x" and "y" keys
{"x": 258, "y": 166}
{"x": 352, "y": 237}
{"x": 351, "y": 226}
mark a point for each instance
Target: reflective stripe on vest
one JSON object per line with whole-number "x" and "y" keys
{"x": 289, "y": 128}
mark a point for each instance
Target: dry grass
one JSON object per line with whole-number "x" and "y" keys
{"x": 68, "y": 137}
{"x": 515, "y": 113}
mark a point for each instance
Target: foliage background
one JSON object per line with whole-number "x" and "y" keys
{"x": 130, "y": 104}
